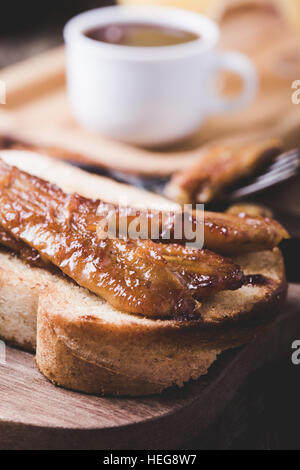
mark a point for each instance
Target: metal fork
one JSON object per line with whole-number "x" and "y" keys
{"x": 285, "y": 167}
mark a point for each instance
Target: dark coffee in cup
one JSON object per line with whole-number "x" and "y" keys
{"x": 140, "y": 35}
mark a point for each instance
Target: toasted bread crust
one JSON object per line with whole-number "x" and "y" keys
{"x": 64, "y": 368}
{"x": 136, "y": 356}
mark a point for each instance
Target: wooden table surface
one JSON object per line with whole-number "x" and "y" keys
{"x": 277, "y": 427}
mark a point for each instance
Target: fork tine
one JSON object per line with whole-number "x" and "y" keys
{"x": 286, "y": 158}
{"x": 285, "y": 167}
{"x": 263, "y": 184}
{"x": 272, "y": 174}
{"x": 278, "y": 177}
{"x": 293, "y": 160}
{"x": 283, "y": 162}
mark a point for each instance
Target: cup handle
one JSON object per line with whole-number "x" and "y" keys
{"x": 242, "y": 66}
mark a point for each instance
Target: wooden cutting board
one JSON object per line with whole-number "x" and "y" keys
{"x": 37, "y": 110}
{"x": 36, "y": 415}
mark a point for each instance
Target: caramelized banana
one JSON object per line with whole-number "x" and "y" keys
{"x": 25, "y": 252}
{"x": 203, "y": 272}
{"x": 224, "y": 233}
{"x": 231, "y": 234}
{"x": 250, "y": 209}
{"x": 219, "y": 167}
{"x": 136, "y": 276}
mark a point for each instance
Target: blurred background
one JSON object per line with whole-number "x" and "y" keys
{"x": 31, "y": 27}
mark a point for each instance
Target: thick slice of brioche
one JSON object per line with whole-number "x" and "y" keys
{"x": 85, "y": 344}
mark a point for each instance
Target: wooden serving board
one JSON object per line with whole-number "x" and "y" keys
{"x": 37, "y": 110}
{"x": 36, "y": 415}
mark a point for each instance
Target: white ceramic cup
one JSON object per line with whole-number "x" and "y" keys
{"x": 149, "y": 95}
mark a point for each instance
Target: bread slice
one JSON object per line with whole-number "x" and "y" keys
{"x": 83, "y": 343}
{"x": 72, "y": 179}
{"x": 20, "y": 288}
